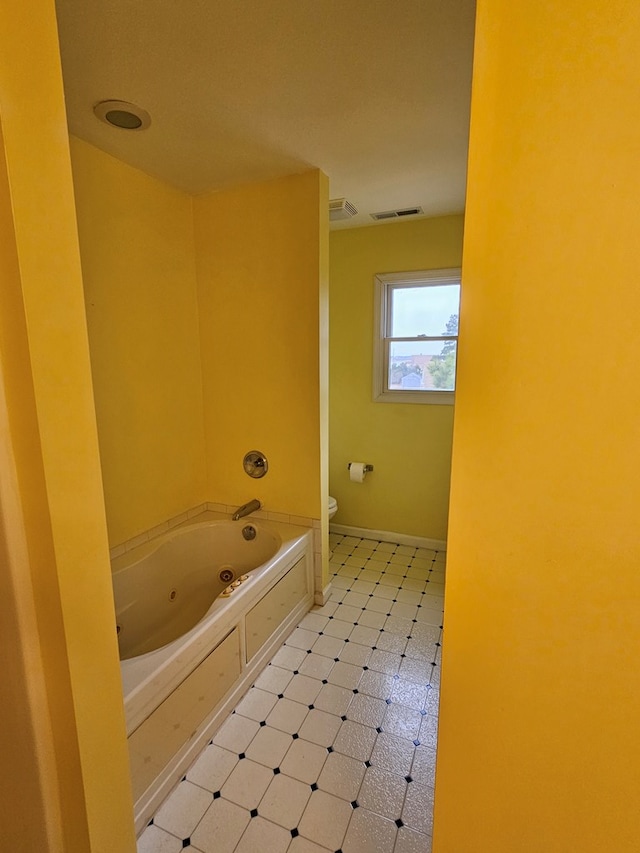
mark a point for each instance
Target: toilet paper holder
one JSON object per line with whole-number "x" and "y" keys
{"x": 367, "y": 468}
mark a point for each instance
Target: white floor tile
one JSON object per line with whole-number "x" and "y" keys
{"x": 369, "y": 833}
{"x": 247, "y": 783}
{"x": 256, "y": 704}
{"x": 325, "y": 820}
{"x": 402, "y": 721}
{"x": 410, "y": 841}
{"x": 303, "y": 689}
{"x": 389, "y": 642}
{"x": 423, "y": 768}
{"x": 212, "y": 768}
{"x": 274, "y": 679}
{"x": 303, "y": 845}
{"x": 347, "y": 613}
{"x": 398, "y": 625}
{"x": 387, "y": 662}
{"x": 221, "y": 828}
{"x": 418, "y": 808}
{"x": 355, "y": 740}
{"x": 410, "y": 694}
{"x": 393, "y": 753}
{"x": 261, "y": 835}
{"x": 304, "y": 761}
{"x": 367, "y": 710}
{"x": 342, "y": 776}
{"x": 364, "y": 636}
{"x": 287, "y": 716}
{"x": 356, "y": 599}
{"x": 289, "y": 657}
{"x": 284, "y": 802}
{"x": 338, "y": 628}
{"x": 236, "y": 733}
{"x": 377, "y": 684}
{"x": 317, "y": 665}
{"x": 320, "y": 727}
{"x": 329, "y": 647}
{"x": 354, "y": 653}
{"x": 383, "y": 792}
{"x": 334, "y": 699}
{"x": 314, "y": 622}
{"x": 372, "y": 619}
{"x": 269, "y": 747}
{"x": 156, "y": 840}
{"x": 184, "y": 808}
{"x": 345, "y": 675}
{"x": 428, "y": 735}
{"x": 302, "y": 639}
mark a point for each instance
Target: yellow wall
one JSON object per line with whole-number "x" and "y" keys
{"x": 260, "y": 256}
{"x": 136, "y": 241}
{"x": 539, "y": 739}
{"x": 408, "y": 445}
{"x": 51, "y": 438}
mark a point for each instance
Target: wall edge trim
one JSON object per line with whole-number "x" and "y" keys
{"x": 389, "y": 536}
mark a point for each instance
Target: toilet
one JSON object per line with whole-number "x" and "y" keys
{"x": 333, "y": 507}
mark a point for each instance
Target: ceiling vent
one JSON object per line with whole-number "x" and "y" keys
{"x": 340, "y": 208}
{"x": 396, "y": 214}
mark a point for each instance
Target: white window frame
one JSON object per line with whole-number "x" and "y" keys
{"x": 385, "y": 283}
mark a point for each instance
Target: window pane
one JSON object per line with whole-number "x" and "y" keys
{"x": 430, "y": 311}
{"x": 422, "y": 366}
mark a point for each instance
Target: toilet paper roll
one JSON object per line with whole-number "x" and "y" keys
{"x": 357, "y": 472}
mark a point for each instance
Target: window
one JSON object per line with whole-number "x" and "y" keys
{"x": 416, "y": 336}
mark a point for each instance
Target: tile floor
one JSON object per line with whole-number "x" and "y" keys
{"x": 333, "y": 747}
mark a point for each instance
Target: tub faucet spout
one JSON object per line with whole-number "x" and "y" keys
{"x": 246, "y": 509}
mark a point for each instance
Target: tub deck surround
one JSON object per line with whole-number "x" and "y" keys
{"x": 333, "y": 746}
{"x": 177, "y": 695}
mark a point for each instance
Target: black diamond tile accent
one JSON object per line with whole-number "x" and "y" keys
{"x": 433, "y": 663}
{"x": 294, "y": 833}
{"x": 150, "y": 822}
{"x": 414, "y": 620}
{"x": 396, "y": 676}
{"x": 324, "y": 681}
{"x": 403, "y": 655}
{"x": 399, "y": 823}
{"x": 388, "y": 701}
{"x": 336, "y": 659}
{"x": 388, "y": 614}
{"x": 408, "y": 779}
{"x": 241, "y": 755}
{"x": 329, "y": 749}
{"x": 308, "y": 651}
{"x": 276, "y": 770}
{"x": 365, "y": 668}
{"x": 379, "y": 730}
{"x": 346, "y": 641}
{"x": 184, "y": 779}
{"x": 295, "y": 736}
{"x": 321, "y": 633}
{"x": 437, "y": 644}
{"x": 280, "y": 695}
{"x": 310, "y": 707}
{"x": 254, "y": 812}
{"x": 355, "y": 690}
{"x": 186, "y": 842}
{"x": 263, "y": 722}
{"x": 296, "y": 672}
{"x": 314, "y": 786}
{"x": 419, "y": 605}
{"x": 330, "y": 617}
{"x": 423, "y": 713}
{"x": 354, "y": 804}
{"x": 343, "y": 718}
{"x": 355, "y": 623}
{"x": 367, "y": 764}
{"x": 216, "y": 795}
{"x": 395, "y": 600}
{"x": 416, "y": 742}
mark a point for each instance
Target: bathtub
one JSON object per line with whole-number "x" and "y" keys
{"x": 188, "y": 650}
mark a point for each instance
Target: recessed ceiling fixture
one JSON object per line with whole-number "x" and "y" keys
{"x": 123, "y": 115}
{"x": 340, "y": 208}
{"x": 394, "y": 214}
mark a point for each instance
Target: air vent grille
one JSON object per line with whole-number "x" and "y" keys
{"x": 395, "y": 214}
{"x": 340, "y": 208}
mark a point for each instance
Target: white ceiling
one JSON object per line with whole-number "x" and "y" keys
{"x": 373, "y": 92}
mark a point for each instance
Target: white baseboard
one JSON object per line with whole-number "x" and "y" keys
{"x": 321, "y": 597}
{"x": 389, "y": 536}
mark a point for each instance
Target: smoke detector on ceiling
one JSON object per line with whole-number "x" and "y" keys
{"x": 123, "y": 115}
{"x": 340, "y": 208}
{"x": 395, "y": 214}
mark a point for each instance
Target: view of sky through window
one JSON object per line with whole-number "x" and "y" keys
{"x": 422, "y": 311}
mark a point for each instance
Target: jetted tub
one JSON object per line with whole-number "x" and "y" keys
{"x": 188, "y": 652}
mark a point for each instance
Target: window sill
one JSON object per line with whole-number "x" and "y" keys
{"x": 437, "y": 398}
